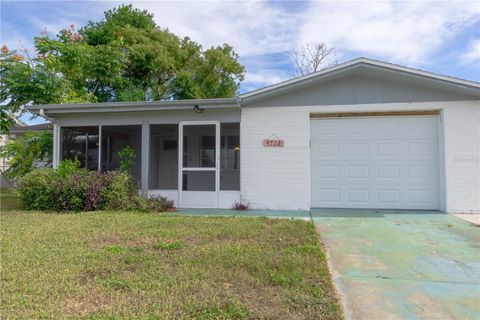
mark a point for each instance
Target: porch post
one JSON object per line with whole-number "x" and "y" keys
{"x": 145, "y": 156}
{"x": 99, "y": 168}
{"x": 56, "y": 145}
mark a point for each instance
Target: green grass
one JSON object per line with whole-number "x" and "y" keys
{"x": 8, "y": 200}
{"x": 116, "y": 265}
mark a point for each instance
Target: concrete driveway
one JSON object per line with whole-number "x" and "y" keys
{"x": 403, "y": 264}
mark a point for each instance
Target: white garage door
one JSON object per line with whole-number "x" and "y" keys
{"x": 375, "y": 162}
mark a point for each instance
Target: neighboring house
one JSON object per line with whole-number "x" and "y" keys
{"x": 363, "y": 134}
{"x": 16, "y": 131}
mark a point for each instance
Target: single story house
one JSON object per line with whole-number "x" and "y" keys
{"x": 362, "y": 134}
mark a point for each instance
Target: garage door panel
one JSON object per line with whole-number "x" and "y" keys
{"x": 355, "y": 150}
{"x": 328, "y": 172}
{"x": 389, "y": 196}
{"x": 388, "y": 172}
{"x": 376, "y": 162}
{"x": 357, "y": 173}
{"x": 388, "y": 128}
{"x": 358, "y": 195}
{"x": 355, "y": 129}
{"x": 326, "y": 151}
{"x": 427, "y": 149}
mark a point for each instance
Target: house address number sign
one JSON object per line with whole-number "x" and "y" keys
{"x": 273, "y": 141}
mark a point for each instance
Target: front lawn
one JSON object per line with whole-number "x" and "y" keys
{"x": 110, "y": 265}
{"x": 8, "y": 200}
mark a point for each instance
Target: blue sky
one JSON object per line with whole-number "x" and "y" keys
{"x": 442, "y": 37}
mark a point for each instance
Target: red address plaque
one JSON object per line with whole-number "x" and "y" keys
{"x": 273, "y": 143}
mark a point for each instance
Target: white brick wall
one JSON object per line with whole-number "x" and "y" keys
{"x": 462, "y": 158}
{"x": 272, "y": 177}
{"x": 279, "y": 178}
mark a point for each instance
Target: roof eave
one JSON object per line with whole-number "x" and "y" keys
{"x": 55, "y": 109}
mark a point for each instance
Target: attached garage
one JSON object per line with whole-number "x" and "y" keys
{"x": 364, "y": 134}
{"x": 375, "y": 161}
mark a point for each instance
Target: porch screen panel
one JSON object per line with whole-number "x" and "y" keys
{"x": 114, "y": 139}
{"x": 230, "y": 156}
{"x": 163, "y": 157}
{"x": 198, "y": 181}
{"x": 80, "y": 143}
{"x": 199, "y": 146}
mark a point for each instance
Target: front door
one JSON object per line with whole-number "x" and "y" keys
{"x": 199, "y": 163}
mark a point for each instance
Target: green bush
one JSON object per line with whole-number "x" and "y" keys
{"x": 37, "y": 189}
{"x": 127, "y": 159}
{"x": 155, "y": 204}
{"x": 121, "y": 191}
{"x": 71, "y": 188}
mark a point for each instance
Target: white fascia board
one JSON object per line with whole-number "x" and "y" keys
{"x": 135, "y": 106}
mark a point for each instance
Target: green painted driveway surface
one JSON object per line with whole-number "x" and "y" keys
{"x": 403, "y": 265}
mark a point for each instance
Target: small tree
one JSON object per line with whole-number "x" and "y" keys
{"x": 312, "y": 58}
{"x": 127, "y": 159}
{"x": 26, "y": 152}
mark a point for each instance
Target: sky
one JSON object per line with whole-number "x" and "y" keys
{"x": 441, "y": 37}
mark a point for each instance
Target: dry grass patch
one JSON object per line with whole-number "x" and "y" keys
{"x": 111, "y": 265}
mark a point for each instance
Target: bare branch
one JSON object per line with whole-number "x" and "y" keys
{"x": 312, "y": 58}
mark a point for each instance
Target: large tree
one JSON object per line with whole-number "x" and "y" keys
{"x": 124, "y": 57}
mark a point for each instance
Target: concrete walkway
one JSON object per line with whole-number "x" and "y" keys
{"x": 403, "y": 264}
{"x": 246, "y": 213}
{"x": 470, "y": 217}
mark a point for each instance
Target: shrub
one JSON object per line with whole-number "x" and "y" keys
{"x": 121, "y": 191}
{"x": 36, "y": 189}
{"x": 240, "y": 206}
{"x": 71, "y": 188}
{"x": 70, "y": 167}
{"x": 127, "y": 159}
{"x": 155, "y": 204}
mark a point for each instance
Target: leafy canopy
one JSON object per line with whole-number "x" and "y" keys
{"x": 124, "y": 57}
{"x": 27, "y": 150}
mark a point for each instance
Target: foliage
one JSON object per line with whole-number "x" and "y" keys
{"x": 36, "y": 189}
{"x": 71, "y": 188}
{"x": 121, "y": 192}
{"x": 68, "y": 167}
{"x": 124, "y": 57}
{"x": 127, "y": 159}
{"x": 25, "y": 151}
{"x": 240, "y": 206}
{"x": 155, "y": 204}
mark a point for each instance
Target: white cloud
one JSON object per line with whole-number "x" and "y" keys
{"x": 404, "y": 32}
{"x": 472, "y": 55}
{"x": 264, "y": 77}
{"x": 252, "y": 28}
